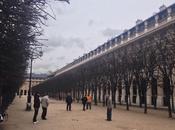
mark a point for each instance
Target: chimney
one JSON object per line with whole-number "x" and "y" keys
{"x": 161, "y": 8}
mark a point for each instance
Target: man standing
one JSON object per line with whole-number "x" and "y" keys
{"x": 36, "y": 106}
{"x": 44, "y": 104}
{"x": 69, "y": 102}
{"x": 109, "y": 109}
{"x": 84, "y": 101}
{"x": 89, "y": 100}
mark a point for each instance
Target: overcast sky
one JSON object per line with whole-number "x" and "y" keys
{"x": 85, "y": 24}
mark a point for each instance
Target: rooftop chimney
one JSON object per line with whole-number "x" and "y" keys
{"x": 161, "y": 8}
{"x": 139, "y": 21}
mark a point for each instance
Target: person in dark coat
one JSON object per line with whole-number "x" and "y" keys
{"x": 84, "y": 101}
{"x": 69, "y": 102}
{"x": 36, "y": 106}
{"x": 109, "y": 109}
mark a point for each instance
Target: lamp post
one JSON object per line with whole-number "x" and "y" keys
{"x": 29, "y": 96}
{"x": 28, "y": 107}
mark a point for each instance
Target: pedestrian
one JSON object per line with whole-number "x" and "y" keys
{"x": 1, "y": 111}
{"x": 109, "y": 109}
{"x": 84, "y": 101}
{"x": 89, "y": 100}
{"x": 44, "y": 104}
{"x": 69, "y": 102}
{"x": 36, "y": 106}
{"x": 106, "y": 99}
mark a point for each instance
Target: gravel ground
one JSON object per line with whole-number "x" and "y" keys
{"x": 95, "y": 119}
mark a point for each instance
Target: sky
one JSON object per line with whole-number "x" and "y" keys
{"x": 83, "y": 25}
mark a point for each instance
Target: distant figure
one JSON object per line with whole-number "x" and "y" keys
{"x": 36, "y": 106}
{"x": 20, "y": 94}
{"x": 69, "y": 102}
{"x": 106, "y": 99}
{"x": 89, "y": 100}
{"x": 109, "y": 109}
{"x": 44, "y": 104}
{"x": 84, "y": 101}
{"x": 1, "y": 111}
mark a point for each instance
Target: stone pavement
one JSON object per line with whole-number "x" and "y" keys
{"x": 60, "y": 119}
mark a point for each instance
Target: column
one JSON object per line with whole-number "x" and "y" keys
{"x": 123, "y": 95}
{"x": 146, "y": 26}
{"x": 136, "y": 31}
{"x": 156, "y": 20}
{"x": 169, "y": 14}
{"x": 128, "y": 35}
{"x": 121, "y": 39}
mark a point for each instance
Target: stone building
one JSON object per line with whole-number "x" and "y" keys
{"x": 36, "y": 79}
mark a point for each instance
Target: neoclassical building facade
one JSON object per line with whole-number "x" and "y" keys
{"x": 136, "y": 67}
{"x": 35, "y": 80}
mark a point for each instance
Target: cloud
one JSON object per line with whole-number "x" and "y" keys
{"x": 108, "y": 32}
{"x": 61, "y": 58}
{"x": 65, "y": 42}
{"x": 42, "y": 65}
{"x": 59, "y": 11}
{"x": 48, "y": 49}
{"x": 91, "y": 23}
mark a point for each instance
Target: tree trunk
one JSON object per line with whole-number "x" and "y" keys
{"x": 145, "y": 98}
{"x": 140, "y": 96}
{"x": 114, "y": 97}
{"x": 104, "y": 96}
{"x": 127, "y": 93}
{"x": 99, "y": 94}
{"x": 144, "y": 93}
{"x": 166, "y": 82}
{"x": 95, "y": 94}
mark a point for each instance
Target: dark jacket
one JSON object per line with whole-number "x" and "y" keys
{"x": 68, "y": 99}
{"x": 84, "y": 100}
{"x": 36, "y": 101}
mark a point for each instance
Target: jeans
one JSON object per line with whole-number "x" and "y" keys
{"x": 84, "y": 104}
{"x": 88, "y": 105}
{"x": 109, "y": 114}
{"x": 35, "y": 114}
{"x": 68, "y": 106}
{"x": 44, "y": 113}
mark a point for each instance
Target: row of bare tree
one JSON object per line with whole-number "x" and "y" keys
{"x": 135, "y": 67}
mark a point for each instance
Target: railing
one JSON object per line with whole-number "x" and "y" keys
{"x": 151, "y": 24}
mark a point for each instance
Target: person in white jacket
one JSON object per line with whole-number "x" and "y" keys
{"x": 44, "y": 104}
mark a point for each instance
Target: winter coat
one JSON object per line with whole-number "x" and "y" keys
{"x": 45, "y": 101}
{"x": 36, "y": 101}
{"x": 84, "y": 100}
{"x": 68, "y": 99}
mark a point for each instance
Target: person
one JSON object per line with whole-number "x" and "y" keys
{"x": 106, "y": 99}
{"x": 109, "y": 109}
{"x": 69, "y": 102}
{"x": 84, "y": 100}
{"x": 36, "y": 106}
{"x": 1, "y": 111}
{"x": 89, "y": 100}
{"x": 44, "y": 104}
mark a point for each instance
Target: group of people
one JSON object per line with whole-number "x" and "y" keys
{"x": 87, "y": 101}
{"x": 44, "y": 103}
